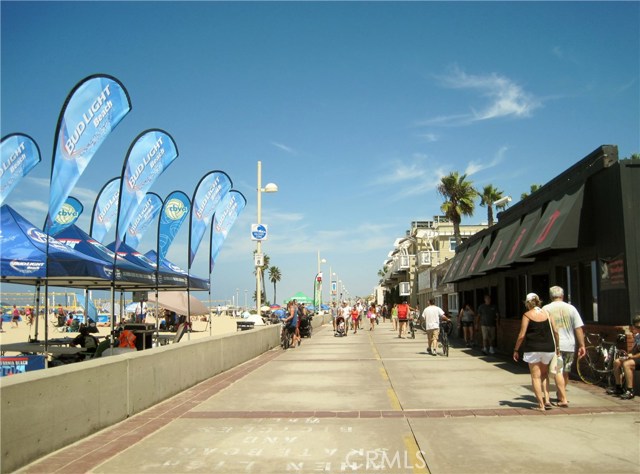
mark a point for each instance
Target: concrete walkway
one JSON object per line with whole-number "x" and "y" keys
{"x": 369, "y": 402}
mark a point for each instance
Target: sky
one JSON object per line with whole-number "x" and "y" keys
{"x": 355, "y": 109}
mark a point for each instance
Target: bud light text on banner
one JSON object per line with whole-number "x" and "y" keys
{"x": 19, "y": 154}
{"x": 92, "y": 110}
{"x": 147, "y": 211}
{"x": 226, "y": 214}
{"x": 149, "y": 156}
{"x": 105, "y": 210}
{"x": 208, "y": 194}
{"x": 176, "y": 208}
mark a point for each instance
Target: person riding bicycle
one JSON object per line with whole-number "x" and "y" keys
{"x": 628, "y": 365}
{"x": 432, "y": 315}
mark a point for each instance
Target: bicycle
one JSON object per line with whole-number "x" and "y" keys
{"x": 443, "y": 336}
{"x": 286, "y": 338}
{"x": 597, "y": 364}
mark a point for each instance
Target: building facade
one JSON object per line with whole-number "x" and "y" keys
{"x": 579, "y": 231}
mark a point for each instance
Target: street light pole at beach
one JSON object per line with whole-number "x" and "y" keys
{"x": 318, "y": 283}
{"x": 269, "y": 188}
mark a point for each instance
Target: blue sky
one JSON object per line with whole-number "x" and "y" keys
{"x": 355, "y": 109}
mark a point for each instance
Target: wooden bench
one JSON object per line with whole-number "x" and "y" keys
{"x": 244, "y": 325}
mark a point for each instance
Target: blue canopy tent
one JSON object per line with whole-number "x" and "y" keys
{"x": 195, "y": 283}
{"x": 23, "y": 251}
{"x": 168, "y": 279}
{"x": 127, "y": 276}
{"x": 23, "y": 259}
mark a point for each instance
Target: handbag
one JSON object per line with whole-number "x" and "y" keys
{"x": 556, "y": 365}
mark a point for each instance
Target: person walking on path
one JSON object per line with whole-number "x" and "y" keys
{"x": 538, "y": 338}
{"x": 371, "y": 316}
{"x": 569, "y": 324}
{"x": 627, "y": 365}
{"x": 489, "y": 318}
{"x": 394, "y": 316}
{"x": 15, "y": 316}
{"x": 432, "y": 315}
{"x": 467, "y": 319}
{"x": 355, "y": 315}
{"x": 403, "y": 317}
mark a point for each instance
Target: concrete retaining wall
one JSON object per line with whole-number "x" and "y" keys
{"x": 46, "y": 410}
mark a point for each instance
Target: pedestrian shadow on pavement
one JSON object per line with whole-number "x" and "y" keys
{"x": 524, "y": 401}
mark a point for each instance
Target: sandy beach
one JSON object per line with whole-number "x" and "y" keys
{"x": 219, "y": 325}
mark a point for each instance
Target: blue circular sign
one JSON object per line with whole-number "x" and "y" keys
{"x": 258, "y": 232}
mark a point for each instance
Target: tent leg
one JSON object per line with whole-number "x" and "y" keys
{"x": 46, "y": 322}
{"x": 113, "y": 317}
{"x": 37, "y": 315}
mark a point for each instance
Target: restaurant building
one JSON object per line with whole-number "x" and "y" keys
{"x": 579, "y": 231}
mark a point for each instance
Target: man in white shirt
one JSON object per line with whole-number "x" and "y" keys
{"x": 432, "y": 315}
{"x": 569, "y": 324}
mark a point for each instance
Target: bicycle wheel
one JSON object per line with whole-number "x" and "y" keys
{"x": 591, "y": 368}
{"x": 445, "y": 344}
{"x": 286, "y": 340}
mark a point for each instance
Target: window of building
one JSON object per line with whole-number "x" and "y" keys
{"x": 453, "y": 303}
{"x": 438, "y": 301}
{"x": 452, "y": 244}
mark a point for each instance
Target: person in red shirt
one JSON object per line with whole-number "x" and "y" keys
{"x": 403, "y": 317}
{"x": 354, "y": 318}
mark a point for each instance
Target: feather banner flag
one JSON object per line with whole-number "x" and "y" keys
{"x": 226, "y": 214}
{"x": 149, "y": 155}
{"x": 19, "y": 154}
{"x": 147, "y": 211}
{"x": 67, "y": 215}
{"x": 105, "y": 210}
{"x": 210, "y": 190}
{"x": 92, "y": 110}
{"x": 176, "y": 208}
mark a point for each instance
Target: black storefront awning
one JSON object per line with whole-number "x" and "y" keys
{"x": 479, "y": 257}
{"x": 513, "y": 252}
{"x": 499, "y": 246}
{"x": 559, "y": 227}
{"x": 455, "y": 266}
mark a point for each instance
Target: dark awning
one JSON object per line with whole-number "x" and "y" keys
{"x": 559, "y": 226}
{"x": 513, "y": 252}
{"x": 479, "y": 257}
{"x": 455, "y": 265}
{"x": 499, "y": 246}
{"x": 465, "y": 261}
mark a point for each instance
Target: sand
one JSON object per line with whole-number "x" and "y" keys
{"x": 219, "y": 325}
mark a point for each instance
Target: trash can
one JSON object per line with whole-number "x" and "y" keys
{"x": 143, "y": 333}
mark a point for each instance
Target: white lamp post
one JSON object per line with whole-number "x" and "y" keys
{"x": 319, "y": 282}
{"x": 269, "y": 188}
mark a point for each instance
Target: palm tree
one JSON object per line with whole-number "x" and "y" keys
{"x": 274, "y": 277}
{"x": 459, "y": 197}
{"x": 490, "y": 194}
{"x": 534, "y": 188}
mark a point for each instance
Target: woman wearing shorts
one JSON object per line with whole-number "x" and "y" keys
{"x": 467, "y": 318}
{"x": 537, "y": 337}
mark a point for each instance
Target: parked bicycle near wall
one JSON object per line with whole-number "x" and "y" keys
{"x": 597, "y": 364}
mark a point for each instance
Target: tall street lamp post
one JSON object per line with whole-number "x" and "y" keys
{"x": 269, "y": 188}
{"x": 318, "y": 283}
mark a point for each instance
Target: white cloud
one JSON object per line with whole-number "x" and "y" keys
{"x": 476, "y": 166}
{"x": 289, "y": 150}
{"x": 505, "y": 98}
{"x": 429, "y": 137}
